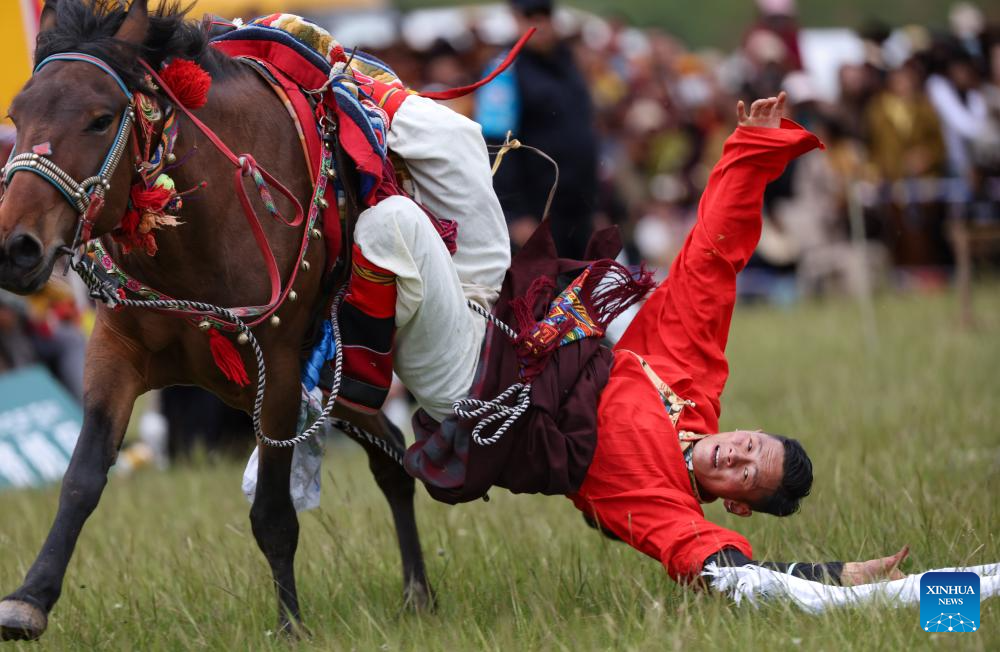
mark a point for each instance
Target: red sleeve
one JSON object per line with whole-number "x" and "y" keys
{"x": 637, "y": 485}
{"x": 684, "y": 325}
{"x": 662, "y": 524}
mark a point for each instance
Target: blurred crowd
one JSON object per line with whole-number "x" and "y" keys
{"x": 911, "y": 120}
{"x": 635, "y": 120}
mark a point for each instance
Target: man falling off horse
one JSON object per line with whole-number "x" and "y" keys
{"x": 629, "y": 435}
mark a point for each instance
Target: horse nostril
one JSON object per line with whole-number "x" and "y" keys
{"x": 24, "y": 251}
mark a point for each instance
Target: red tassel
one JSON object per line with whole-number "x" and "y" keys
{"x": 227, "y": 358}
{"x": 130, "y": 223}
{"x": 188, "y": 82}
{"x": 524, "y": 307}
{"x": 337, "y": 54}
{"x": 611, "y": 289}
{"x": 143, "y": 201}
{"x": 152, "y": 200}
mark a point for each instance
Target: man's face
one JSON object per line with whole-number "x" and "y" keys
{"x": 740, "y": 467}
{"x": 545, "y": 39}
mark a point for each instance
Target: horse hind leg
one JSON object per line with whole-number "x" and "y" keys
{"x": 399, "y": 489}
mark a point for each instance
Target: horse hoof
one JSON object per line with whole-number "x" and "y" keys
{"x": 418, "y": 597}
{"x": 21, "y": 621}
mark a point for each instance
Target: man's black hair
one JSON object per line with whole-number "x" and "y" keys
{"x": 796, "y": 481}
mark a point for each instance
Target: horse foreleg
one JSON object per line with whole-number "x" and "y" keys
{"x": 272, "y": 516}
{"x": 112, "y": 383}
{"x": 399, "y": 489}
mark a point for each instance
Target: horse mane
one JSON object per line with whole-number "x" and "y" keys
{"x": 89, "y": 26}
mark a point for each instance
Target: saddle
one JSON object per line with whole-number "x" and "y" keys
{"x": 329, "y": 90}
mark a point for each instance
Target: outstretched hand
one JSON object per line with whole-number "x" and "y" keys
{"x": 864, "y": 572}
{"x": 763, "y": 113}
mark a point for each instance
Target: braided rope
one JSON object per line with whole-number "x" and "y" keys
{"x": 504, "y": 328}
{"x": 489, "y": 412}
{"x": 362, "y": 436}
{"x": 482, "y": 408}
{"x": 105, "y": 292}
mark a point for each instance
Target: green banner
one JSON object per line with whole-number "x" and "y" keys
{"x": 39, "y": 425}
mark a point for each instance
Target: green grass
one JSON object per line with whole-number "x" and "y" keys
{"x": 907, "y": 450}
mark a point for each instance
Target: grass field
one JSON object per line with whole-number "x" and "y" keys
{"x": 905, "y": 440}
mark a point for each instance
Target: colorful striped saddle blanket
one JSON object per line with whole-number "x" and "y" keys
{"x": 326, "y": 82}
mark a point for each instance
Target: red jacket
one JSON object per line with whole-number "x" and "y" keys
{"x": 637, "y": 484}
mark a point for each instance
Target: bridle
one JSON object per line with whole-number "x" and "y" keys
{"x": 87, "y": 196}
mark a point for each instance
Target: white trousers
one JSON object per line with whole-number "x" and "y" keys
{"x": 438, "y": 337}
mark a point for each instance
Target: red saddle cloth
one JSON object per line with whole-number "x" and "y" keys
{"x": 296, "y": 68}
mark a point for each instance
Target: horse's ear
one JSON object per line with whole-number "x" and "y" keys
{"x": 136, "y": 23}
{"x": 47, "y": 19}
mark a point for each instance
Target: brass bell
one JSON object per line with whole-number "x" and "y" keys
{"x": 243, "y": 339}
{"x": 305, "y": 266}
{"x": 315, "y": 234}
{"x": 171, "y": 158}
{"x": 323, "y": 203}
{"x": 275, "y": 321}
{"x": 293, "y": 296}
{"x": 331, "y": 172}
{"x": 204, "y": 326}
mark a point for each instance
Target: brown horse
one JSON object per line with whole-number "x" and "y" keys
{"x": 75, "y": 109}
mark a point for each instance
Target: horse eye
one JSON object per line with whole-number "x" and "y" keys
{"x": 101, "y": 124}
{"x": 746, "y": 473}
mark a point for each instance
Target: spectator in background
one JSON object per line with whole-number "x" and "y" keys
{"x": 954, "y": 90}
{"x": 198, "y": 421}
{"x": 987, "y": 150}
{"x": 771, "y": 46}
{"x": 15, "y": 345}
{"x": 445, "y": 69}
{"x": 904, "y": 145}
{"x": 904, "y": 133}
{"x": 55, "y": 316}
{"x": 777, "y": 18}
{"x": 44, "y": 328}
{"x": 545, "y": 101}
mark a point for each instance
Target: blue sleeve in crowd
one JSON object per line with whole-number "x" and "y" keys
{"x": 498, "y": 104}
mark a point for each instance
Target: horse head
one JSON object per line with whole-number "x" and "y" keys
{"x": 71, "y": 117}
